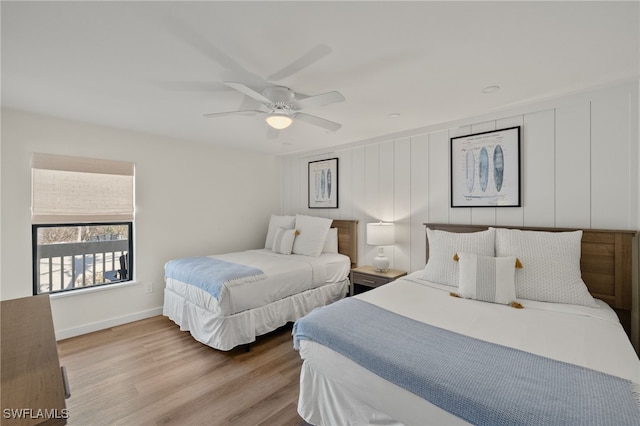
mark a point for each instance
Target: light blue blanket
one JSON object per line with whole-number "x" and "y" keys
{"x": 480, "y": 382}
{"x": 211, "y": 274}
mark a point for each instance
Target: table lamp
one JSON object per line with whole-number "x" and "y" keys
{"x": 381, "y": 234}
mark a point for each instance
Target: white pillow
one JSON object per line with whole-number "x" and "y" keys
{"x": 552, "y": 265}
{"x": 275, "y": 223}
{"x": 331, "y": 243}
{"x": 283, "y": 240}
{"x": 444, "y": 245}
{"x": 486, "y": 278}
{"x": 312, "y": 234}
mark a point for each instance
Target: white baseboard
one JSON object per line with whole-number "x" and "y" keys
{"x": 112, "y": 322}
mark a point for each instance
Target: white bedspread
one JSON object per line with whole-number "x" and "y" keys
{"x": 335, "y": 390}
{"x": 286, "y": 275}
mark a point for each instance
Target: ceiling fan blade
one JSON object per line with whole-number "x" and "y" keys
{"x": 319, "y": 100}
{"x": 194, "y": 39}
{"x": 249, "y": 103}
{"x": 312, "y": 56}
{"x": 249, "y": 92}
{"x": 272, "y": 133}
{"x": 245, "y": 112}
{"x": 317, "y": 121}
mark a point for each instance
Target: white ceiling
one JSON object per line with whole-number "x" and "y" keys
{"x": 157, "y": 67}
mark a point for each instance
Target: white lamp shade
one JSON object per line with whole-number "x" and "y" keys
{"x": 278, "y": 121}
{"x": 381, "y": 234}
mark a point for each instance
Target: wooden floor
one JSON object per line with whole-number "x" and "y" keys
{"x": 150, "y": 373}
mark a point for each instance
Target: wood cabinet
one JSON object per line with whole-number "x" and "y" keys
{"x": 368, "y": 277}
{"x": 33, "y": 384}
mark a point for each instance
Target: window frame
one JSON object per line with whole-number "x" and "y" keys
{"x": 36, "y": 262}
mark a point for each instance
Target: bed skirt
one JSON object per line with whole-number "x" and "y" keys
{"x": 226, "y": 332}
{"x": 335, "y": 390}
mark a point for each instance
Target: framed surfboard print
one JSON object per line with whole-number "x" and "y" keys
{"x": 485, "y": 169}
{"x": 323, "y": 184}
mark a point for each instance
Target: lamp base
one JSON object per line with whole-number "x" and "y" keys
{"x": 381, "y": 262}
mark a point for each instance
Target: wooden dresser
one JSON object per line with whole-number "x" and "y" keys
{"x": 33, "y": 385}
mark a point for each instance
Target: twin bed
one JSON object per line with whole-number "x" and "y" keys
{"x": 262, "y": 289}
{"x": 544, "y": 352}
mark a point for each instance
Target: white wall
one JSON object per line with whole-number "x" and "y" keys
{"x": 191, "y": 199}
{"x": 580, "y": 160}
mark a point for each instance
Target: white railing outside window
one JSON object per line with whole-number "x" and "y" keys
{"x": 97, "y": 259}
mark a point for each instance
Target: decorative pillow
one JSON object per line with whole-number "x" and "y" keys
{"x": 443, "y": 245}
{"x": 490, "y": 279}
{"x": 331, "y": 243}
{"x": 275, "y": 223}
{"x": 552, "y": 265}
{"x": 313, "y": 233}
{"x": 283, "y": 240}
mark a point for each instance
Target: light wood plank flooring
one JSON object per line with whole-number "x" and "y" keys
{"x": 151, "y": 373}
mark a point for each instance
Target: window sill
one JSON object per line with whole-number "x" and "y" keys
{"x": 92, "y": 289}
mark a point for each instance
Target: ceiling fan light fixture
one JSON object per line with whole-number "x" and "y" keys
{"x": 279, "y": 121}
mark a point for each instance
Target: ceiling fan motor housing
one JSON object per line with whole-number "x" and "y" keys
{"x": 280, "y": 96}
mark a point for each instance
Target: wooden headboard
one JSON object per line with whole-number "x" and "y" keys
{"x": 605, "y": 263}
{"x": 347, "y": 239}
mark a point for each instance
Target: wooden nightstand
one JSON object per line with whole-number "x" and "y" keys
{"x": 368, "y": 277}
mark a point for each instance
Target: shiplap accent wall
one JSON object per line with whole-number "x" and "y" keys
{"x": 579, "y": 169}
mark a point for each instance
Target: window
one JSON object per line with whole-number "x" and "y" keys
{"x": 72, "y": 256}
{"x": 82, "y": 216}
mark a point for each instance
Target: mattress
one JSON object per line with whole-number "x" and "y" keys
{"x": 336, "y": 390}
{"x": 286, "y": 275}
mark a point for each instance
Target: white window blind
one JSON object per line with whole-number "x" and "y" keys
{"x": 69, "y": 189}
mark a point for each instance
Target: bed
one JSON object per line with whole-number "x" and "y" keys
{"x": 302, "y": 266}
{"x": 410, "y": 353}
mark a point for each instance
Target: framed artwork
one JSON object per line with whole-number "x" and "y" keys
{"x": 323, "y": 184}
{"x": 485, "y": 169}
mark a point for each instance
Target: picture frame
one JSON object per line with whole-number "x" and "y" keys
{"x": 323, "y": 184}
{"x": 485, "y": 169}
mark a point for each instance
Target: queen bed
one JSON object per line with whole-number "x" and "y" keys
{"x": 537, "y": 350}
{"x": 229, "y": 299}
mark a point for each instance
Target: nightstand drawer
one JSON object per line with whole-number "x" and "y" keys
{"x": 368, "y": 280}
{"x": 367, "y": 276}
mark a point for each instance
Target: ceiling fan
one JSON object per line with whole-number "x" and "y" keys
{"x": 281, "y": 105}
